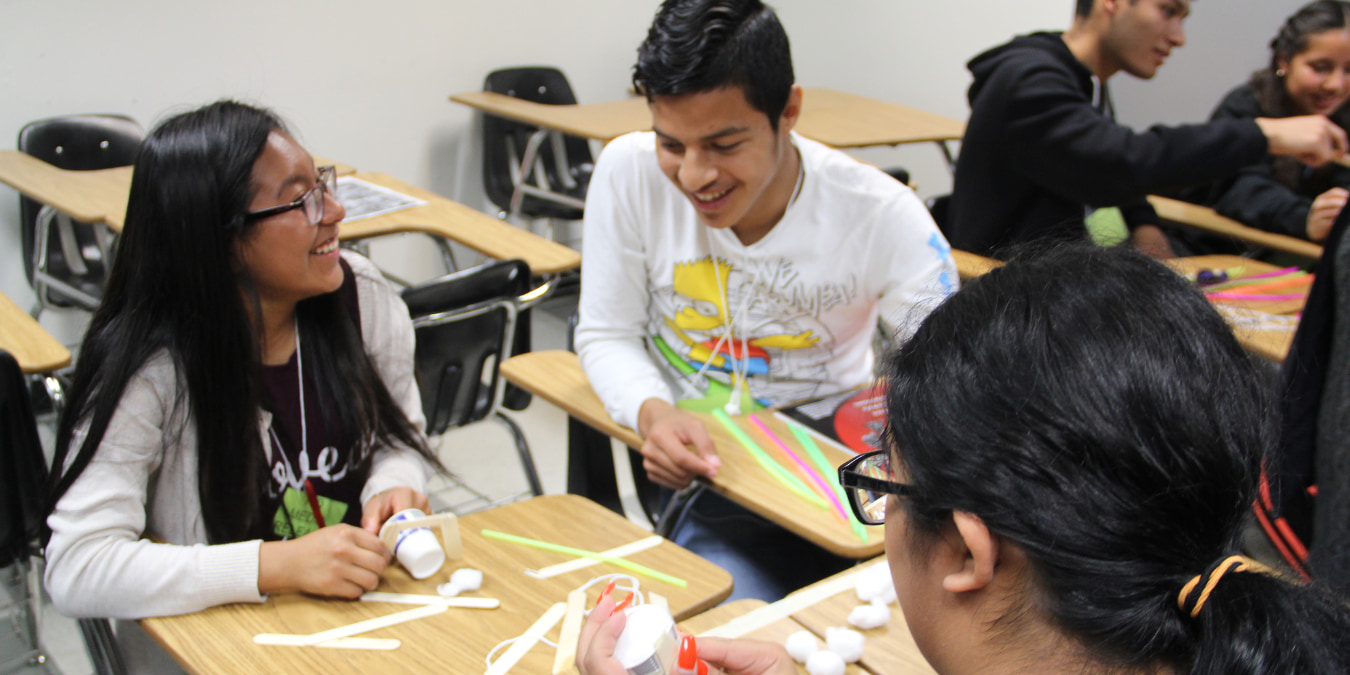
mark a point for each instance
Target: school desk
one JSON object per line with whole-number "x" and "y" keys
{"x": 450, "y": 220}
{"x": 101, "y": 197}
{"x": 557, "y": 377}
{"x": 835, "y": 118}
{"x": 28, "y": 342}
{"x": 98, "y": 196}
{"x": 1208, "y": 220}
{"x": 1268, "y": 342}
{"x": 822, "y": 605}
{"x": 220, "y": 640}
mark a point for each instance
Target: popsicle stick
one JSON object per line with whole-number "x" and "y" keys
{"x": 566, "y": 657}
{"x": 582, "y": 563}
{"x": 517, "y": 650}
{"x": 350, "y": 629}
{"x": 415, "y": 599}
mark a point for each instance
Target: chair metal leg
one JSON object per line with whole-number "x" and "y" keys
{"x": 673, "y": 515}
{"x": 102, "y": 646}
{"x": 523, "y": 450}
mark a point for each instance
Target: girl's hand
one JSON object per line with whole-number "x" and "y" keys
{"x": 383, "y": 506}
{"x": 1323, "y": 213}
{"x": 337, "y": 561}
{"x": 595, "y": 649}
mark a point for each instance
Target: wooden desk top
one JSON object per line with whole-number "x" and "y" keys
{"x": 889, "y": 649}
{"x": 31, "y": 345}
{"x": 557, "y": 377}
{"x": 98, "y": 196}
{"x": 1208, "y": 220}
{"x": 451, "y": 220}
{"x": 835, "y": 118}
{"x": 1270, "y": 344}
{"x": 220, "y": 640}
{"x": 971, "y": 265}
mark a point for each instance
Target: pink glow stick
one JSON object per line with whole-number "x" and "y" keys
{"x": 824, "y": 488}
{"x": 1255, "y": 296}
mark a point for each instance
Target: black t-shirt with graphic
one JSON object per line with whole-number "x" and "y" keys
{"x": 319, "y": 453}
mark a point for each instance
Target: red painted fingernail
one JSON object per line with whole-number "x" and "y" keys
{"x": 603, "y": 593}
{"x": 688, "y": 654}
{"x": 624, "y": 602}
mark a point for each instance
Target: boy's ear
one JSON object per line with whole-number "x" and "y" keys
{"x": 792, "y": 111}
{"x": 980, "y": 551}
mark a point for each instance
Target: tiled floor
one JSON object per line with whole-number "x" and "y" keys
{"x": 482, "y": 455}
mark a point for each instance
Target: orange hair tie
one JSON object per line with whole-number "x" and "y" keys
{"x": 1211, "y": 577}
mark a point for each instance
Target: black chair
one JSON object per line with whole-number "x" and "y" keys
{"x": 467, "y": 323}
{"x": 67, "y": 261}
{"x": 528, "y": 171}
{"x": 23, "y": 470}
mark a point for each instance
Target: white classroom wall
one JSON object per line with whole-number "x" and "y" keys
{"x": 367, "y": 83}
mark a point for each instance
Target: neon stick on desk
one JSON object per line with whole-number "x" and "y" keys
{"x": 822, "y": 488}
{"x": 804, "y": 437}
{"x": 568, "y": 550}
{"x": 1255, "y": 296}
{"x": 788, "y": 480}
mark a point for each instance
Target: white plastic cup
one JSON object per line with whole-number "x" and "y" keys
{"x": 417, "y": 549}
{"x": 649, "y": 642}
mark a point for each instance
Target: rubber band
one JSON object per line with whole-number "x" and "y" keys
{"x": 1211, "y": 578}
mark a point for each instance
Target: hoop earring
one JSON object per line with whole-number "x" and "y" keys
{"x": 1280, "y": 73}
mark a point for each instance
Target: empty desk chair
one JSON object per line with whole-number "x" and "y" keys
{"x": 528, "y": 171}
{"x": 67, "y": 261}
{"x": 467, "y": 323}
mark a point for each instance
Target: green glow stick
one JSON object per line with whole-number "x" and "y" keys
{"x": 559, "y": 548}
{"x": 831, "y": 472}
{"x": 787, "y": 479}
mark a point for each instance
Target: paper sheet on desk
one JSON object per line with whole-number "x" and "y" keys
{"x": 367, "y": 200}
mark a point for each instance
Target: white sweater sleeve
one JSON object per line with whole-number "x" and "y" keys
{"x": 388, "y": 335}
{"x": 97, "y": 562}
{"x": 614, "y": 289}
{"x": 916, "y": 263}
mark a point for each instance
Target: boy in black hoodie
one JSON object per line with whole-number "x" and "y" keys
{"x": 1041, "y": 147}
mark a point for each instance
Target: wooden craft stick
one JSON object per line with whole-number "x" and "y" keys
{"x": 581, "y": 563}
{"x": 566, "y": 658}
{"x": 523, "y": 643}
{"x": 348, "y": 630}
{"x": 796, "y": 602}
{"x": 415, "y": 599}
{"x": 658, "y": 600}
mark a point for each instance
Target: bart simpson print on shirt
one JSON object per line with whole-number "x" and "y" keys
{"x": 744, "y": 318}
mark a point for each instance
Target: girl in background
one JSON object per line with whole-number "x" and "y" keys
{"x": 1309, "y": 74}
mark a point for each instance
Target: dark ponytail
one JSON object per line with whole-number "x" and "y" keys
{"x": 1093, "y": 409}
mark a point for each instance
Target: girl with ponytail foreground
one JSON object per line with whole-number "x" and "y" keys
{"x": 1074, "y": 442}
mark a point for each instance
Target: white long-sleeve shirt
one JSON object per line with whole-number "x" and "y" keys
{"x": 661, "y": 292}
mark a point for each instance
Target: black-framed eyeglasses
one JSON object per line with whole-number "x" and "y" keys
{"x": 867, "y": 479}
{"x": 312, "y": 201}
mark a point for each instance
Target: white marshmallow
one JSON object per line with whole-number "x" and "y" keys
{"x": 825, "y": 663}
{"x": 464, "y": 579}
{"x": 873, "y": 615}
{"x": 875, "y": 582}
{"x": 848, "y": 644}
{"x": 801, "y": 645}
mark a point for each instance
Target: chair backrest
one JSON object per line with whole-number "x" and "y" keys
{"x": 466, "y": 326}
{"x": 23, "y": 468}
{"x": 74, "y": 143}
{"x": 505, "y": 141}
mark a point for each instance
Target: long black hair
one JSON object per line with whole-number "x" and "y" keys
{"x": 696, "y": 46}
{"x": 175, "y": 288}
{"x": 1268, "y": 84}
{"x": 1094, "y": 410}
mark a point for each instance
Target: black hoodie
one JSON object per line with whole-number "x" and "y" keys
{"x": 1038, "y": 153}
